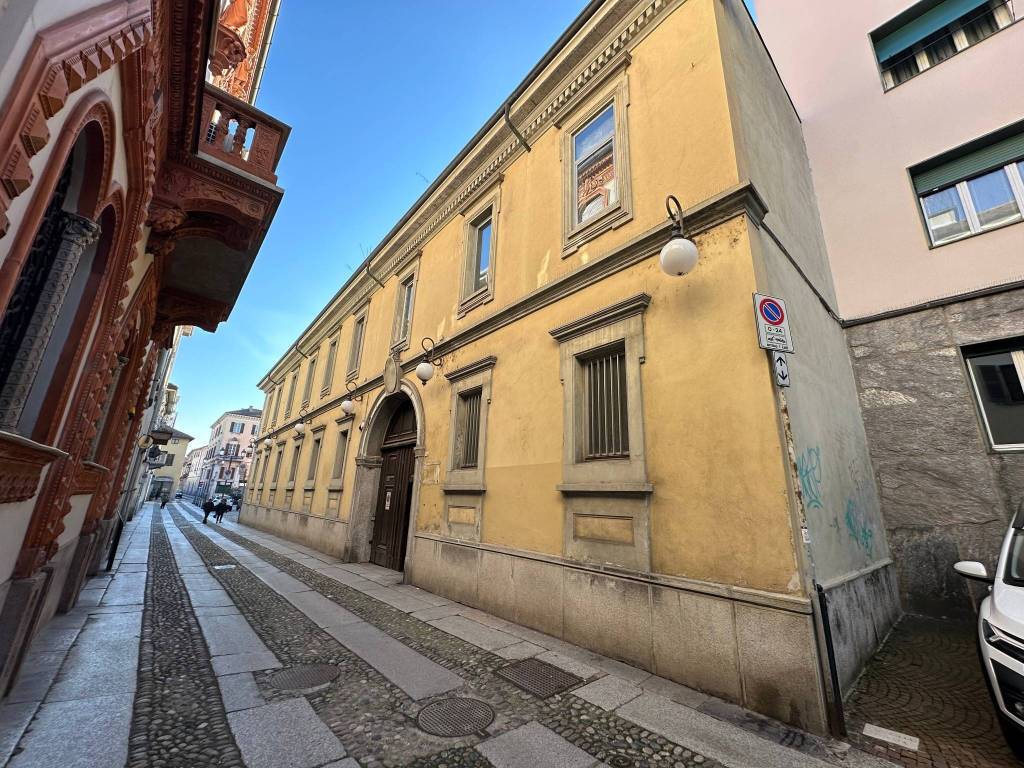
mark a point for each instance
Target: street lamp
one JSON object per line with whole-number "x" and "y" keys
{"x": 348, "y": 405}
{"x": 425, "y": 370}
{"x": 679, "y": 255}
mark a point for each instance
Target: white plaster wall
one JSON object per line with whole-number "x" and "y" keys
{"x": 19, "y": 24}
{"x": 108, "y": 82}
{"x": 15, "y": 519}
{"x": 861, "y": 140}
{"x": 74, "y": 519}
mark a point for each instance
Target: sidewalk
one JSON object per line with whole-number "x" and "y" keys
{"x": 323, "y": 663}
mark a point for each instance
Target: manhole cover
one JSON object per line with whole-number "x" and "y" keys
{"x": 455, "y": 717}
{"x": 538, "y": 677}
{"x": 304, "y": 677}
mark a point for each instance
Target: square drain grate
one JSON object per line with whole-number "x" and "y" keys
{"x": 538, "y": 677}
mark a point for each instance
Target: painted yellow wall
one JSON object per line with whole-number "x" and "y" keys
{"x": 720, "y": 509}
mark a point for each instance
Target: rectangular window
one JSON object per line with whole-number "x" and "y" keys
{"x": 263, "y": 469}
{"x": 594, "y": 180}
{"x": 357, "y": 345}
{"x": 482, "y": 229}
{"x": 605, "y": 411}
{"x": 277, "y": 464}
{"x": 467, "y": 437}
{"x": 339, "y": 455}
{"x": 307, "y": 388}
{"x": 291, "y": 393}
{"x": 403, "y": 317}
{"x": 293, "y": 470}
{"x": 314, "y": 459}
{"x": 255, "y": 429}
{"x": 237, "y": 427}
{"x": 966, "y": 192}
{"x": 931, "y": 32}
{"x": 332, "y": 355}
{"x": 997, "y": 373}
{"x": 277, "y": 407}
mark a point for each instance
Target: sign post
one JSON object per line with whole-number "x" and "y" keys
{"x": 772, "y": 324}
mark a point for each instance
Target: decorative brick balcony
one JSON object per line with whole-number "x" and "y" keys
{"x": 241, "y": 135}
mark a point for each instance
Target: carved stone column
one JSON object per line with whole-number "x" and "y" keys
{"x": 77, "y": 234}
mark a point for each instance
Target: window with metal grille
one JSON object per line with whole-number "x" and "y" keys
{"x": 467, "y": 438}
{"x": 605, "y": 412}
{"x": 295, "y": 463}
{"x": 339, "y": 454}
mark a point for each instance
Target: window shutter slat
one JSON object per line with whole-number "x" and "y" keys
{"x": 985, "y": 159}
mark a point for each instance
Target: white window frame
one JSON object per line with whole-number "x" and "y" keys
{"x": 1017, "y": 356}
{"x": 1012, "y": 171}
{"x": 470, "y": 295}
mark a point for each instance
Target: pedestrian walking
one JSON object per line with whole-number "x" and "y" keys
{"x": 208, "y": 507}
{"x": 221, "y": 508}
{"x": 163, "y": 502}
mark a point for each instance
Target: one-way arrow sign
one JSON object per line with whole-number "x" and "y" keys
{"x": 781, "y": 368}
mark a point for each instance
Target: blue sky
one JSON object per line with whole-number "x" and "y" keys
{"x": 379, "y": 102}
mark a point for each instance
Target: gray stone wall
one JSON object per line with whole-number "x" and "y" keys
{"x": 946, "y": 496}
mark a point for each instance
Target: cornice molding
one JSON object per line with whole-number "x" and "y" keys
{"x": 634, "y": 305}
{"x": 475, "y": 367}
{"x": 602, "y": 47}
{"x": 740, "y": 200}
{"x": 21, "y": 465}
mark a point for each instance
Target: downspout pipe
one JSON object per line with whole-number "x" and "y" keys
{"x": 512, "y": 127}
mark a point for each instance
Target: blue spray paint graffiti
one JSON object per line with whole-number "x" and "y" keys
{"x": 859, "y": 527}
{"x": 808, "y": 467}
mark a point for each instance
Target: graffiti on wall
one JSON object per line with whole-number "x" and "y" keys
{"x": 808, "y": 467}
{"x": 854, "y": 517}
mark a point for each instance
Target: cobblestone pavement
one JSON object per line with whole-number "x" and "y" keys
{"x": 230, "y": 618}
{"x": 926, "y": 682}
{"x": 178, "y": 717}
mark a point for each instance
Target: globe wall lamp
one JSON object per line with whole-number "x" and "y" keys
{"x": 348, "y": 405}
{"x": 267, "y": 443}
{"x": 425, "y": 370}
{"x": 679, "y": 255}
{"x": 300, "y": 425}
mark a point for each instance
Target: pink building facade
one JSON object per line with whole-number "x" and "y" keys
{"x": 913, "y": 118}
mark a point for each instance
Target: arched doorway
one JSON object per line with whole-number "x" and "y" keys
{"x": 394, "y": 494}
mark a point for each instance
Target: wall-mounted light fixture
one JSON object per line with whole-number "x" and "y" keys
{"x": 300, "y": 425}
{"x": 425, "y": 370}
{"x": 267, "y": 443}
{"x": 348, "y": 405}
{"x": 679, "y": 255}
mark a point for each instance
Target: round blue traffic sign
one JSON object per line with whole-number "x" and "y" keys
{"x": 771, "y": 311}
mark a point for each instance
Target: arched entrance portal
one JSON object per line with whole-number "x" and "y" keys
{"x": 395, "y": 491}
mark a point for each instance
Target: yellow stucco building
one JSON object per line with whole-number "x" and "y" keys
{"x": 602, "y": 453}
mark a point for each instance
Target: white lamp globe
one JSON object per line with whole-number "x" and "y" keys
{"x": 679, "y": 256}
{"x": 268, "y": 442}
{"x": 347, "y": 406}
{"x": 425, "y": 371}
{"x": 300, "y": 428}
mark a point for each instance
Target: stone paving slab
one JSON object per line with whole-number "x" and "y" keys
{"x": 231, "y": 634}
{"x": 244, "y": 662}
{"x": 437, "y": 612}
{"x": 282, "y": 582}
{"x": 570, "y": 665}
{"x": 94, "y": 724}
{"x": 284, "y": 734}
{"x": 609, "y": 692}
{"x": 210, "y": 598}
{"x": 402, "y": 602}
{"x": 324, "y": 612}
{"x": 521, "y": 650}
{"x": 14, "y": 719}
{"x": 531, "y": 746}
{"x": 415, "y": 674}
{"x": 714, "y": 738}
{"x": 240, "y": 692}
{"x": 479, "y": 635}
{"x": 104, "y": 659}
{"x": 36, "y": 675}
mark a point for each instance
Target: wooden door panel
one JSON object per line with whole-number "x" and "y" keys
{"x": 392, "y": 516}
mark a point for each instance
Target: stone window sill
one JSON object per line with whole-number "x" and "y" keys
{"x": 465, "y": 488}
{"x": 607, "y": 488}
{"x": 334, "y": 485}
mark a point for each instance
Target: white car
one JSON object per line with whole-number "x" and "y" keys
{"x": 1001, "y": 631}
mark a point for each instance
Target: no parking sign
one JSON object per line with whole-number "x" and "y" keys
{"x": 772, "y": 323}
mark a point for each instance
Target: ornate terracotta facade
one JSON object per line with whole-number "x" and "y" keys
{"x": 101, "y": 260}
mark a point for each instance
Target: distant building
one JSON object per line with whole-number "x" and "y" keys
{"x": 224, "y": 465}
{"x": 166, "y": 465}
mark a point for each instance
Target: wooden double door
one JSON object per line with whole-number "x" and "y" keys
{"x": 394, "y": 503}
